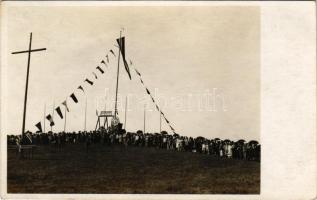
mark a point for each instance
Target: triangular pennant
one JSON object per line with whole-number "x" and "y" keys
{"x": 74, "y": 98}
{"x": 148, "y": 91}
{"x": 65, "y": 104}
{"x": 137, "y": 72}
{"x": 49, "y": 118}
{"x": 81, "y": 88}
{"x": 95, "y": 75}
{"x": 59, "y": 112}
{"x": 39, "y": 126}
{"x": 89, "y": 81}
{"x": 112, "y": 53}
{"x": 99, "y": 68}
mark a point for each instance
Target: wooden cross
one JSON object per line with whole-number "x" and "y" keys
{"x": 27, "y": 77}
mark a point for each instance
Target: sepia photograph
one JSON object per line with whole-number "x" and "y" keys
{"x": 121, "y": 99}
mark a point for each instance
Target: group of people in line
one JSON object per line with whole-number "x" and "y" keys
{"x": 221, "y": 148}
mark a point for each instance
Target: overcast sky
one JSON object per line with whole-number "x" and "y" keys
{"x": 202, "y": 65}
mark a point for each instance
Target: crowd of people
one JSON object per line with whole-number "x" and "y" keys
{"x": 221, "y": 148}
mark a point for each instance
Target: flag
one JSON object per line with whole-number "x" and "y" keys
{"x": 95, "y": 75}
{"x": 147, "y": 91}
{"x": 49, "y": 118}
{"x": 107, "y": 58}
{"x": 137, "y": 72}
{"x": 141, "y": 81}
{"x": 74, "y": 98}
{"x": 152, "y": 99}
{"x": 39, "y": 126}
{"x": 65, "y": 104}
{"x": 97, "y": 112}
{"x": 158, "y": 109}
{"x": 172, "y": 128}
{"x": 121, "y": 42}
{"x": 103, "y": 62}
{"x": 89, "y": 81}
{"x": 162, "y": 114}
{"x": 59, "y": 112}
{"x": 81, "y": 88}
{"x": 112, "y": 53}
{"x": 166, "y": 120}
{"x": 99, "y": 68}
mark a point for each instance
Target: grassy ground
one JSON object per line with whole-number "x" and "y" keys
{"x": 134, "y": 170}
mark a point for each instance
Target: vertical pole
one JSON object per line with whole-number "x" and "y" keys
{"x": 53, "y": 115}
{"x": 26, "y": 85}
{"x": 160, "y": 122}
{"x": 65, "y": 118}
{"x": 44, "y": 116}
{"x": 144, "y": 120}
{"x": 85, "y": 114}
{"x": 125, "y": 114}
{"x": 115, "y": 107}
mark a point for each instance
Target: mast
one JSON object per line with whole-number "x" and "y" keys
{"x": 65, "y": 118}
{"x": 125, "y": 114}
{"x": 53, "y": 115}
{"x": 44, "y": 116}
{"x": 115, "y": 107}
{"x": 160, "y": 122}
{"x": 85, "y": 115}
{"x": 144, "y": 120}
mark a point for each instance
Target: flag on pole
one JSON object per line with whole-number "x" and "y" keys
{"x": 141, "y": 81}
{"x": 49, "y": 118}
{"x": 158, "y": 109}
{"x": 95, "y": 75}
{"x": 99, "y": 68}
{"x": 39, "y": 126}
{"x": 81, "y": 88}
{"x": 152, "y": 99}
{"x": 65, "y": 104}
{"x": 121, "y": 42}
{"x": 107, "y": 58}
{"x": 59, "y": 112}
{"x": 89, "y": 81}
{"x": 74, "y": 98}
{"x": 112, "y": 53}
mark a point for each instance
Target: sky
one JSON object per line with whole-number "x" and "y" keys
{"x": 202, "y": 65}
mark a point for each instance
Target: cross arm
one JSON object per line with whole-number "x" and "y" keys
{"x": 33, "y": 50}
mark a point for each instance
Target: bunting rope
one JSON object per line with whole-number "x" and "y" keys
{"x": 80, "y": 87}
{"x": 153, "y": 100}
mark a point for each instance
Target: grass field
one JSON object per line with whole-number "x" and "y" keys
{"x": 115, "y": 169}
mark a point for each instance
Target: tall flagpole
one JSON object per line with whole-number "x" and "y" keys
{"x": 85, "y": 114}
{"x": 65, "y": 118}
{"x": 160, "y": 122}
{"x": 125, "y": 114}
{"x": 144, "y": 120}
{"x": 115, "y": 107}
{"x": 44, "y": 115}
{"x": 53, "y": 115}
